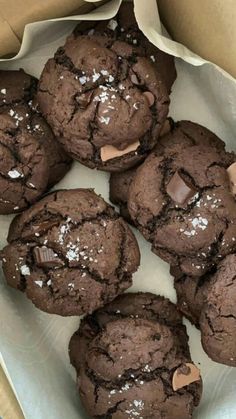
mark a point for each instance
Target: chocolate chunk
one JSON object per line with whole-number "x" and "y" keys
{"x": 46, "y": 258}
{"x": 180, "y": 190}
{"x": 39, "y": 229}
{"x": 134, "y": 79}
{"x": 185, "y": 375}
{"x": 150, "y": 98}
{"x": 232, "y": 177}
{"x": 109, "y": 152}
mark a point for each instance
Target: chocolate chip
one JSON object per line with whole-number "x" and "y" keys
{"x": 46, "y": 258}
{"x": 150, "y": 98}
{"x": 232, "y": 177}
{"x": 185, "y": 375}
{"x": 180, "y": 190}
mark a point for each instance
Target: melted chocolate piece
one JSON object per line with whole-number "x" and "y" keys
{"x": 46, "y": 258}
{"x": 179, "y": 190}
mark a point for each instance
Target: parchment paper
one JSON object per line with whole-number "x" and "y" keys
{"x": 34, "y": 344}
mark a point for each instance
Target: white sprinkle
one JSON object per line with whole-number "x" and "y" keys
{"x": 152, "y": 58}
{"x": 16, "y": 208}
{"x": 127, "y": 97}
{"x": 112, "y": 24}
{"x": 136, "y": 105}
{"x": 39, "y": 283}
{"x": 49, "y": 282}
{"x": 4, "y": 260}
{"x": 11, "y": 112}
{"x": 61, "y": 77}
{"x": 71, "y": 285}
{"x": 135, "y": 41}
{"x": 14, "y": 174}
{"x": 3, "y": 91}
{"x": 25, "y": 270}
{"x": 31, "y": 184}
{"x": 83, "y": 275}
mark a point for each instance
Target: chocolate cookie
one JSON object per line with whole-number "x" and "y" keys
{"x": 181, "y": 199}
{"x": 121, "y": 181}
{"x": 218, "y": 315}
{"x": 105, "y": 101}
{"x": 132, "y": 370}
{"x": 209, "y": 303}
{"x": 123, "y": 27}
{"x": 132, "y": 305}
{"x": 70, "y": 253}
{"x": 31, "y": 159}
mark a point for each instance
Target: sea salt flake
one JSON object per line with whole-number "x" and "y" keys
{"x": 112, "y": 24}
{"x": 95, "y": 76}
{"x": 39, "y": 283}
{"x": 24, "y": 269}
{"x": 14, "y": 174}
{"x": 104, "y": 72}
{"x": 3, "y": 91}
{"x": 104, "y": 120}
{"x": 82, "y": 80}
{"x": 49, "y": 282}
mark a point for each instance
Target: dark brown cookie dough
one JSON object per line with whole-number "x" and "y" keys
{"x": 120, "y": 181}
{"x": 105, "y": 101}
{"x": 31, "y": 160}
{"x": 70, "y": 253}
{"x": 123, "y": 27}
{"x": 131, "y": 370}
{"x": 181, "y": 199}
{"x": 132, "y": 305}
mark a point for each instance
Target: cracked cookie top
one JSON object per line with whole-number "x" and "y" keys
{"x": 124, "y": 27}
{"x": 70, "y": 253}
{"x": 129, "y": 371}
{"x": 181, "y": 199}
{"x": 132, "y": 305}
{"x": 31, "y": 160}
{"x": 105, "y": 102}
